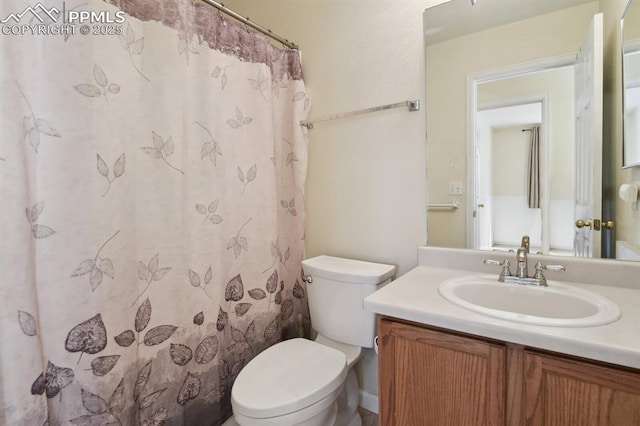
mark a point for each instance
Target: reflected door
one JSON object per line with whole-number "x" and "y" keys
{"x": 588, "y": 142}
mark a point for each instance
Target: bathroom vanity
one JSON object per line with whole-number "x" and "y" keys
{"x": 441, "y": 363}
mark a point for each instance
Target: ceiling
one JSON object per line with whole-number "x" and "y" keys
{"x": 485, "y": 14}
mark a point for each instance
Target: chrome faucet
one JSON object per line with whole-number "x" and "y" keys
{"x": 522, "y": 268}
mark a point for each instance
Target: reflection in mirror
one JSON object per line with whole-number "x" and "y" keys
{"x": 528, "y": 50}
{"x": 525, "y": 173}
{"x": 631, "y": 84}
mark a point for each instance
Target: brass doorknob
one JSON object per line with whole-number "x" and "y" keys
{"x": 581, "y": 223}
{"x": 608, "y": 224}
{"x": 480, "y": 205}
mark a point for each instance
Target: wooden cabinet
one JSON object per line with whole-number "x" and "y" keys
{"x": 429, "y": 377}
{"x": 561, "y": 391}
{"x": 435, "y": 377}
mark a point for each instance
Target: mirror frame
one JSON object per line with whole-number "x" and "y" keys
{"x": 441, "y": 238}
{"x": 622, "y": 49}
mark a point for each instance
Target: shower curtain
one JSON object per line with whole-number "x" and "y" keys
{"x": 533, "y": 169}
{"x": 151, "y": 211}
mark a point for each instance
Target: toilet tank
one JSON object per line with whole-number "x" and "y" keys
{"x": 336, "y": 297}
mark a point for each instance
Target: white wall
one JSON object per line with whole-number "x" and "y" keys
{"x": 510, "y": 155}
{"x": 512, "y": 218}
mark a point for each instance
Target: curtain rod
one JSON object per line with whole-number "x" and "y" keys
{"x": 413, "y": 105}
{"x": 266, "y": 31}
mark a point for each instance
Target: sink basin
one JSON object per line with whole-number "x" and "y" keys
{"x": 559, "y": 305}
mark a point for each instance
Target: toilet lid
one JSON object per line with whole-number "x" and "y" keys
{"x": 287, "y": 377}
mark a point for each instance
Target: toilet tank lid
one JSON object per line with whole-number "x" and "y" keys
{"x": 348, "y": 270}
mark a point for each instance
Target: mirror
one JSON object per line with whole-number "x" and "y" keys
{"x": 631, "y": 84}
{"x": 466, "y": 53}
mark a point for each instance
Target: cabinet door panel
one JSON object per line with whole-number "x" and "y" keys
{"x": 433, "y": 378}
{"x": 568, "y": 392}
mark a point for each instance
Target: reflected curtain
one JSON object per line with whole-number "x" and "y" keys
{"x": 533, "y": 169}
{"x": 151, "y": 215}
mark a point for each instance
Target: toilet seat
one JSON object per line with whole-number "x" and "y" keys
{"x": 288, "y": 377}
{"x": 353, "y": 353}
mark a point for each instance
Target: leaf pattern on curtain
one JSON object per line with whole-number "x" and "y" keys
{"x": 161, "y": 174}
{"x": 101, "y": 88}
{"x": 34, "y": 127}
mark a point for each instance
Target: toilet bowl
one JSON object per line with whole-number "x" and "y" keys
{"x": 313, "y": 383}
{"x": 294, "y": 382}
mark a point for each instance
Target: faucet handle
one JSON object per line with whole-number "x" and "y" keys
{"x": 540, "y": 267}
{"x": 506, "y": 271}
{"x": 538, "y": 275}
{"x": 495, "y": 262}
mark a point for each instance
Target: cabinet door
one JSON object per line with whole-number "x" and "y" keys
{"x": 432, "y": 378}
{"x": 567, "y": 392}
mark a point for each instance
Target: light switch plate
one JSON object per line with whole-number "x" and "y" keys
{"x": 455, "y": 188}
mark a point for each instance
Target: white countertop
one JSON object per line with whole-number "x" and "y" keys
{"x": 414, "y": 297}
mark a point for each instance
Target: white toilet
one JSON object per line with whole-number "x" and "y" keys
{"x": 312, "y": 383}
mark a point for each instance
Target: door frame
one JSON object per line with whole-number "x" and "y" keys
{"x": 543, "y": 100}
{"x": 472, "y": 85}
